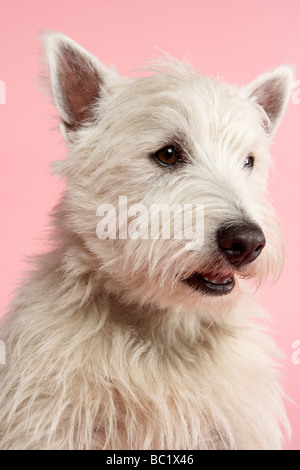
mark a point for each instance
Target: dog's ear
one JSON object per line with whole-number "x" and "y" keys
{"x": 272, "y": 90}
{"x": 77, "y": 81}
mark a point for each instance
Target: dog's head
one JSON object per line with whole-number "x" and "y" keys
{"x": 177, "y": 151}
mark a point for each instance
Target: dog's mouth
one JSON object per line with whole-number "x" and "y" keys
{"x": 211, "y": 284}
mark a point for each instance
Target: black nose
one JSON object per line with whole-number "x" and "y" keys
{"x": 241, "y": 244}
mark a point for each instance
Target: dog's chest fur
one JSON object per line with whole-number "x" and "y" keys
{"x": 172, "y": 389}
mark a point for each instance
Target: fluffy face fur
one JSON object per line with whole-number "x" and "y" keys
{"x": 107, "y": 346}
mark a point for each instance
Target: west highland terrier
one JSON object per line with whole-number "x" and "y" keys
{"x": 119, "y": 340}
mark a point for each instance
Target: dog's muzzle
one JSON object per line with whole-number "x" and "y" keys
{"x": 239, "y": 245}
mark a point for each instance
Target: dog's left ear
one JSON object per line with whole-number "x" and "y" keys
{"x": 78, "y": 80}
{"x": 272, "y": 91}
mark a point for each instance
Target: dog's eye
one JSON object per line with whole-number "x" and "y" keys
{"x": 249, "y": 162}
{"x": 167, "y": 156}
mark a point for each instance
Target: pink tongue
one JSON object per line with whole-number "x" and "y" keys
{"x": 214, "y": 278}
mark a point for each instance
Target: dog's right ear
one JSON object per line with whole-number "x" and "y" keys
{"x": 77, "y": 82}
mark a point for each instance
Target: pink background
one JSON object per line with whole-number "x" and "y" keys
{"x": 234, "y": 39}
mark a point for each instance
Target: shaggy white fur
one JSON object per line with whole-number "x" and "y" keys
{"x": 107, "y": 347}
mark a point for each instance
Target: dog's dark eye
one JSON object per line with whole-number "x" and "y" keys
{"x": 167, "y": 156}
{"x": 249, "y": 162}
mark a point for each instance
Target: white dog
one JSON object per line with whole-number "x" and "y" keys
{"x": 138, "y": 342}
